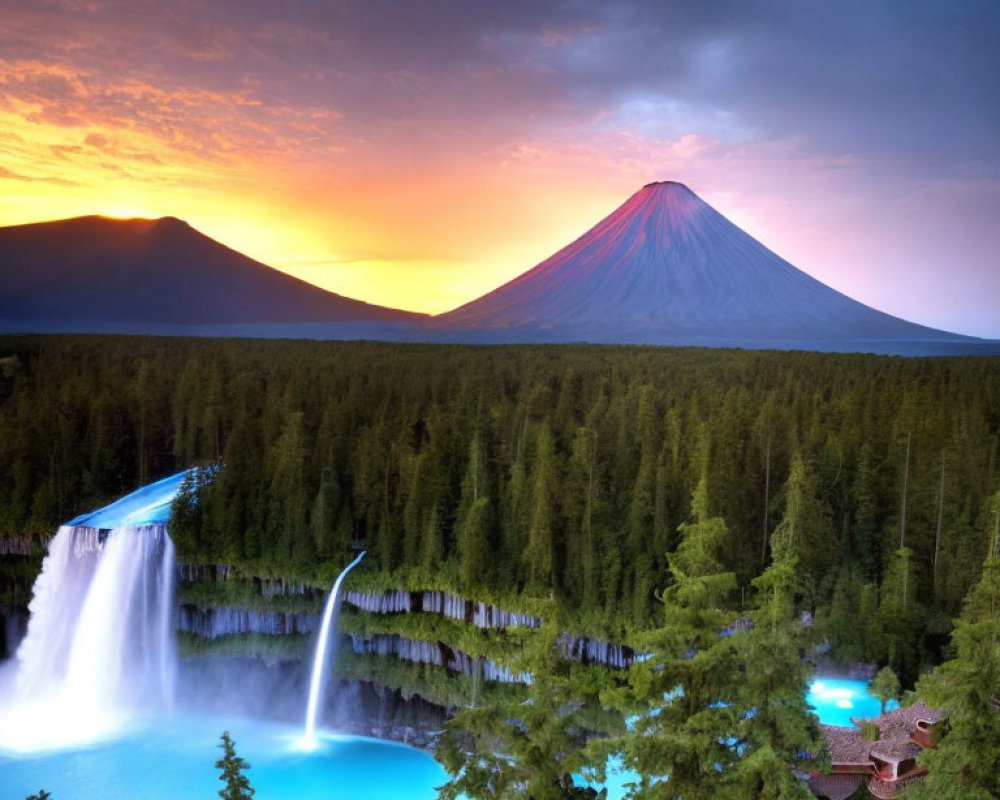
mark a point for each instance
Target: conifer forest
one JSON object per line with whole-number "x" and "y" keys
{"x": 529, "y": 475}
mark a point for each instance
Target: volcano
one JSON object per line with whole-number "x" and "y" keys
{"x": 667, "y": 268}
{"x": 96, "y": 274}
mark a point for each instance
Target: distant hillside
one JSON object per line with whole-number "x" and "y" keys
{"x": 663, "y": 269}
{"x": 95, "y": 273}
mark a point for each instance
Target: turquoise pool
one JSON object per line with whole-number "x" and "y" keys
{"x": 174, "y": 758}
{"x": 836, "y": 700}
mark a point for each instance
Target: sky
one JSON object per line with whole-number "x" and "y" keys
{"x": 418, "y": 154}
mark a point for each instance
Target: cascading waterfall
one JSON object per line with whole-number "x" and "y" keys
{"x": 100, "y": 641}
{"x": 322, "y": 656}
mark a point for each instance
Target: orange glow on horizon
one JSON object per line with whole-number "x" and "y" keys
{"x": 424, "y": 242}
{"x": 425, "y": 217}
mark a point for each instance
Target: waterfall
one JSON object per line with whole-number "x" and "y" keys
{"x": 322, "y": 658}
{"x": 99, "y": 648}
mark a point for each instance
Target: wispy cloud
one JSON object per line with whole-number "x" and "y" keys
{"x": 11, "y": 175}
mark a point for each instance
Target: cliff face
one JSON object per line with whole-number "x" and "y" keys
{"x": 13, "y": 626}
{"x": 211, "y": 623}
{"x": 405, "y": 659}
{"x": 229, "y": 613}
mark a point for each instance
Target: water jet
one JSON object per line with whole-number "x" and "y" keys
{"x": 321, "y": 658}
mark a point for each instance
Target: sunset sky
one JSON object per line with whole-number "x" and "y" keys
{"x": 418, "y": 154}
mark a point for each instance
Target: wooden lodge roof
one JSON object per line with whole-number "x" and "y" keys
{"x": 901, "y": 722}
{"x": 895, "y": 750}
{"x": 848, "y": 748}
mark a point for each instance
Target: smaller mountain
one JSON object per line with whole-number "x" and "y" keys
{"x": 140, "y": 275}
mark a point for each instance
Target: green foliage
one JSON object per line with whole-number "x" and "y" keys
{"x": 899, "y": 616}
{"x": 685, "y": 692}
{"x": 439, "y": 686}
{"x": 528, "y": 748}
{"x": 777, "y": 731}
{"x": 499, "y": 645}
{"x": 967, "y": 688}
{"x": 885, "y": 686}
{"x": 720, "y": 702}
{"x": 231, "y": 768}
{"x": 870, "y": 731}
{"x": 518, "y": 474}
{"x": 805, "y": 528}
{"x": 559, "y": 471}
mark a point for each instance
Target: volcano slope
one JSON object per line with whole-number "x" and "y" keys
{"x": 667, "y": 269}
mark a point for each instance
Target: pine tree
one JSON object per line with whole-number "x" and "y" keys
{"x": 805, "y": 525}
{"x": 521, "y": 748}
{"x": 232, "y": 768}
{"x": 688, "y": 686}
{"x": 885, "y": 686}
{"x": 539, "y": 555}
{"x": 473, "y": 520}
{"x": 287, "y": 496}
{"x": 899, "y": 615}
{"x": 776, "y": 730}
{"x": 641, "y": 512}
{"x": 967, "y": 689}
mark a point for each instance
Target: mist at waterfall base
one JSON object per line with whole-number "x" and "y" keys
{"x": 99, "y": 648}
{"x": 94, "y": 704}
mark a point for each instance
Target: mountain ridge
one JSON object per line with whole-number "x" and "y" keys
{"x": 664, "y": 269}
{"x": 95, "y": 269}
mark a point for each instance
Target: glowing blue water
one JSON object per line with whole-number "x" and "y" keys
{"x": 174, "y": 760}
{"x": 146, "y": 505}
{"x": 835, "y": 701}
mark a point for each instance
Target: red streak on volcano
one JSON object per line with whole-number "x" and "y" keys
{"x": 666, "y": 263}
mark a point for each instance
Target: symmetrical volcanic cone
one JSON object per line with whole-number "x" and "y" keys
{"x": 667, "y": 267}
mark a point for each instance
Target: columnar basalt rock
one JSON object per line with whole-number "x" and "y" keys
{"x": 211, "y": 623}
{"x": 436, "y": 653}
{"x": 482, "y": 615}
{"x": 396, "y": 602}
{"x": 190, "y": 573}
{"x": 595, "y": 651}
{"x": 222, "y": 621}
{"x": 270, "y": 588}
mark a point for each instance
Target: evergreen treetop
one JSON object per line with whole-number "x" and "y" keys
{"x": 232, "y": 769}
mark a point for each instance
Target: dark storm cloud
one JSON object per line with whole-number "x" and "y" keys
{"x": 859, "y": 77}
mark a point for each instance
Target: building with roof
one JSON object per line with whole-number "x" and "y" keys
{"x": 887, "y": 764}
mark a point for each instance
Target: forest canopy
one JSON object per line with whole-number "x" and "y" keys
{"x": 560, "y": 471}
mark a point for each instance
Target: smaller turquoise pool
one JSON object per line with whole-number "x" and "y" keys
{"x": 836, "y": 700}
